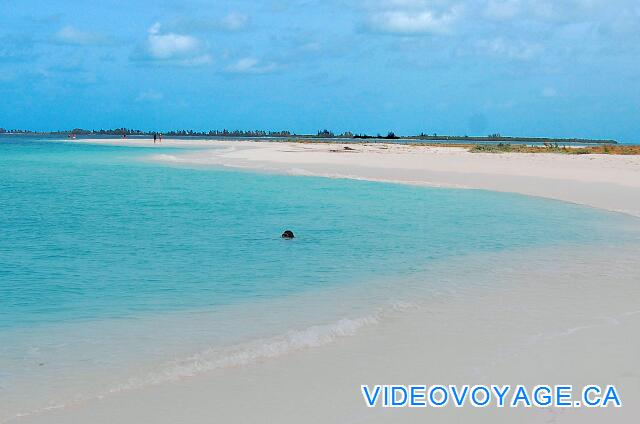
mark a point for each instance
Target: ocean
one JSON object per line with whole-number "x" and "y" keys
{"x": 117, "y": 271}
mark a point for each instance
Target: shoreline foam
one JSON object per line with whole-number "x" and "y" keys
{"x": 535, "y": 322}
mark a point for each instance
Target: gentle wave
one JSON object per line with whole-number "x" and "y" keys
{"x": 235, "y": 356}
{"x": 214, "y": 359}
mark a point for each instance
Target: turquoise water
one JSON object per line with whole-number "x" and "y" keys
{"x": 88, "y": 232}
{"x": 94, "y": 234}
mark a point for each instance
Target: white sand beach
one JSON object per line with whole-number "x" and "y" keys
{"x": 571, "y": 320}
{"x": 609, "y": 182}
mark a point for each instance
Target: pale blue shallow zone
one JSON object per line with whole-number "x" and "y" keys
{"x": 94, "y": 232}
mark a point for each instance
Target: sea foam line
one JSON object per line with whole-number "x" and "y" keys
{"x": 254, "y": 352}
{"x": 261, "y": 349}
{"x": 213, "y": 359}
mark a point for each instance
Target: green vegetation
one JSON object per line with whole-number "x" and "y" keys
{"x": 170, "y": 133}
{"x": 324, "y": 134}
{"x": 605, "y": 149}
{"x": 492, "y": 148}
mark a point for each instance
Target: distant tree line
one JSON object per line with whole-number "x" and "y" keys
{"x": 5, "y": 131}
{"x": 330, "y": 134}
{"x": 174, "y": 133}
{"x": 228, "y": 133}
{"x": 321, "y": 134}
{"x": 390, "y": 136}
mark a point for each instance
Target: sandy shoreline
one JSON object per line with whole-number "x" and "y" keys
{"x": 603, "y": 181}
{"x": 553, "y": 317}
{"x": 572, "y": 320}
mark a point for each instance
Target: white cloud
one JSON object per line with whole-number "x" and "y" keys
{"x": 250, "y": 65}
{"x": 550, "y": 11}
{"x": 412, "y": 19}
{"x": 73, "y": 36}
{"x": 441, "y": 16}
{"x": 234, "y": 21}
{"x": 176, "y": 48}
{"x": 170, "y": 45}
{"x": 542, "y": 35}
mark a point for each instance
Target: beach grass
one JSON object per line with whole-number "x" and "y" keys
{"x": 600, "y": 149}
{"x": 605, "y": 149}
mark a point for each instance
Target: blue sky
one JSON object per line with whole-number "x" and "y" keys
{"x": 519, "y": 67}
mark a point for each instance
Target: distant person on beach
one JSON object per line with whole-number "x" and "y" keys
{"x": 155, "y": 136}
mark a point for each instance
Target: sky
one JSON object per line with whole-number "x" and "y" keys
{"x": 515, "y": 67}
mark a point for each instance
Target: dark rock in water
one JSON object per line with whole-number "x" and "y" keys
{"x": 288, "y": 235}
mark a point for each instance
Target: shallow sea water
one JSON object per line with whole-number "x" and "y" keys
{"x": 117, "y": 272}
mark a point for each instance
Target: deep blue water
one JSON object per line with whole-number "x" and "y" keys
{"x": 91, "y": 232}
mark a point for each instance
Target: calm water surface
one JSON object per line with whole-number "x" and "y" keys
{"x": 100, "y": 244}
